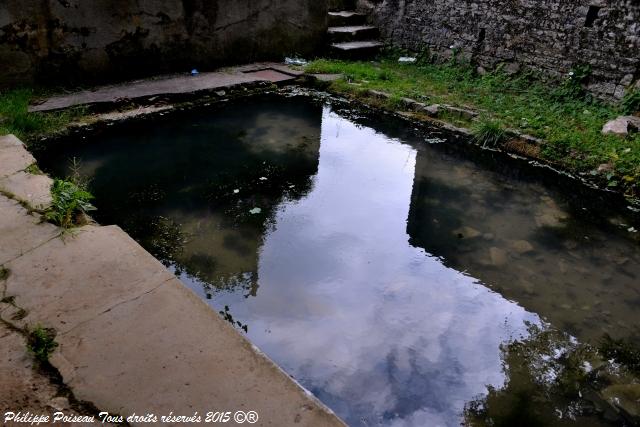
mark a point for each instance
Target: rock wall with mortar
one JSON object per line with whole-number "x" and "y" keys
{"x": 78, "y": 41}
{"x": 550, "y": 36}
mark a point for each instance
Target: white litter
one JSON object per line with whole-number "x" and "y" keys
{"x": 295, "y": 61}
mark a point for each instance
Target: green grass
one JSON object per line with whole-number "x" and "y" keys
{"x": 15, "y": 119}
{"x": 41, "y": 343}
{"x": 562, "y": 115}
{"x": 489, "y": 133}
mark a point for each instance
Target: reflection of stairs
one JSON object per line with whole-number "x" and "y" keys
{"x": 350, "y": 36}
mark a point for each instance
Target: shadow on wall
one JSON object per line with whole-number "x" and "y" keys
{"x": 74, "y": 41}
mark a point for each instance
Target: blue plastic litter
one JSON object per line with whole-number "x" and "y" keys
{"x": 195, "y": 72}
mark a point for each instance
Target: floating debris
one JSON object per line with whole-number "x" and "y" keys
{"x": 195, "y": 72}
{"x": 263, "y": 178}
{"x": 255, "y": 211}
{"x": 632, "y": 230}
{"x": 236, "y": 191}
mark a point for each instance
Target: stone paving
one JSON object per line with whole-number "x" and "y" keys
{"x": 131, "y": 337}
{"x": 172, "y": 85}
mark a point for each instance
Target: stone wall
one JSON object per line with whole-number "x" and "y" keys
{"x": 550, "y": 36}
{"x": 78, "y": 41}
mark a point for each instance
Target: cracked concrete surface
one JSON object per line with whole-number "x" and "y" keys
{"x": 131, "y": 337}
{"x": 30, "y": 389}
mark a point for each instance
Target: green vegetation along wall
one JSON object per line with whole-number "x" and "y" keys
{"x": 73, "y": 41}
{"x": 553, "y": 37}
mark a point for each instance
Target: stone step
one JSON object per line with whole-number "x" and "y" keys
{"x": 352, "y": 33}
{"x": 346, "y": 18}
{"x": 357, "y": 49}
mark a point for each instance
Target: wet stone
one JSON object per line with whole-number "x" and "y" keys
{"x": 498, "y": 256}
{"x": 625, "y": 397}
{"x": 521, "y": 246}
{"x": 466, "y": 232}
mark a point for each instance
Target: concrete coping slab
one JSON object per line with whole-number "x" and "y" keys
{"x": 170, "y": 85}
{"x": 14, "y": 157}
{"x": 33, "y": 189}
{"x": 21, "y": 232}
{"x": 15, "y": 181}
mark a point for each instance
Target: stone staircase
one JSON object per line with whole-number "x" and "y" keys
{"x": 351, "y": 37}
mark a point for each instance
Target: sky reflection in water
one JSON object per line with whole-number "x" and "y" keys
{"x": 378, "y": 329}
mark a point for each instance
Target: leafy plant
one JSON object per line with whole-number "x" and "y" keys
{"x": 489, "y": 133}
{"x": 571, "y": 87}
{"x": 69, "y": 201}
{"x": 41, "y": 343}
{"x": 631, "y": 102}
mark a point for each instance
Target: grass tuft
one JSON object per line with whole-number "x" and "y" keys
{"x": 489, "y": 133}
{"x": 41, "y": 343}
{"x": 33, "y": 169}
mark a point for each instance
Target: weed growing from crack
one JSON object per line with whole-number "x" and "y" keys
{"x": 33, "y": 169}
{"x": 41, "y": 343}
{"x": 71, "y": 200}
{"x": 4, "y": 273}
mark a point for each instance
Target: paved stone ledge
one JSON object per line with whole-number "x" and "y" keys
{"x": 21, "y": 232}
{"x": 15, "y": 182}
{"x": 132, "y": 338}
{"x": 171, "y": 85}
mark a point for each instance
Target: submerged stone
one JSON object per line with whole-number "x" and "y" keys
{"x": 625, "y": 397}
{"x": 521, "y": 246}
{"x": 498, "y": 256}
{"x": 466, "y": 232}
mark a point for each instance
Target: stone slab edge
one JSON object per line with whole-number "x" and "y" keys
{"x": 174, "y": 87}
{"x": 16, "y": 182}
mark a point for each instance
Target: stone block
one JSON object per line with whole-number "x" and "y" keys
{"x": 35, "y": 190}
{"x": 21, "y": 232}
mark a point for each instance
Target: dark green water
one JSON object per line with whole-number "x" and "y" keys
{"x": 390, "y": 277}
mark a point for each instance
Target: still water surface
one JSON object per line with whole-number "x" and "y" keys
{"x": 383, "y": 273}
